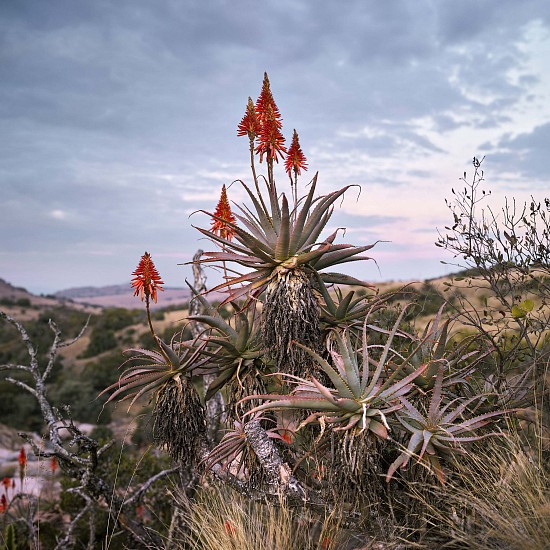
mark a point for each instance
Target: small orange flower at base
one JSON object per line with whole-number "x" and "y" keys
{"x": 6, "y": 482}
{"x": 22, "y": 464}
{"x": 230, "y": 529}
{"x": 146, "y": 279}
{"x": 223, "y": 218}
{"x": 3, "y": 504}
{"x": 53, "y": 464}
{"x": 286, "y": 436}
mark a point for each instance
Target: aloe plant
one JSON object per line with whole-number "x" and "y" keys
{"x": 360, "y": 400}
{"x": 179, "y": 417}
{"x": 277, "y": 241}
{"x": 346, "y": 310}
{"x": 282, "y": 251}
{"x": 443, "y": 430}
{"x": 233, "y": 353}
{"x": 433, "y": 348}
{"x": 152, "y": 369}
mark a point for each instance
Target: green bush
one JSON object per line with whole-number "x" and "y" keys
{"x": 101, "y": 340}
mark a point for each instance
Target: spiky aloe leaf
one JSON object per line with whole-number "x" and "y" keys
{"x": 154, "y": 369}
{"x": 265, "y": 240}
{"x": 439, "y": 432}
{"x": 358, "y": 395}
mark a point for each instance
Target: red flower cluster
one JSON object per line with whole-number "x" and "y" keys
{"x": 221, "y": 223}
{"x": 146, "y": 279}
{"x": 295, "y": 159}
{"x": 264, "y": 101}
{"x": 53, "y": 465}
{"x": 22, "y": 464}
{"x": 250, "y": 125}
{"x": 3, "y": 504}
{"x": 271, "y": 141}
{"x": 263, "y": 122}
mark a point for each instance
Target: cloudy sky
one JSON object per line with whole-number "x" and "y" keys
{"x": 118, "y": 119}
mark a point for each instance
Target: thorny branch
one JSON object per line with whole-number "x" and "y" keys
{"x": 507, "y": 261}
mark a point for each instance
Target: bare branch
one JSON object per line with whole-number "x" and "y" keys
{"x": 22, "y": 385}
{"x": 145, "y": 486}
{"x": 13, "y": 366}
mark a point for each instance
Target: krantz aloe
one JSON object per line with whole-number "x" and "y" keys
{"x": 169, "y": 374}
{"x": 314, "y": 376}
{"x": 280, "y": 245}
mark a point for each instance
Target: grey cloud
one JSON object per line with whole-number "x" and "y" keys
{"x": 459, "y": 22}
{"x": 525, "y": 154}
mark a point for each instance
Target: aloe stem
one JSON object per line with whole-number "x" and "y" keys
{"x": 148, "y": 310}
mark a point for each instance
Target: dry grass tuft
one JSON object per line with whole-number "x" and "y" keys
{"x": 498, "y": 499}
{"x": 220, "y": 518}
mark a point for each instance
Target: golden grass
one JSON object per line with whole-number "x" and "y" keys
{"x": 498, "y": 499}
{"x": 220, "y": 518}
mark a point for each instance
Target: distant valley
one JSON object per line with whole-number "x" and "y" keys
{"x": 121, "y": 296}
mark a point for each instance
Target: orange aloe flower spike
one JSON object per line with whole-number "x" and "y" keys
{"x": 22, "y": 459}
{"x": 223, "y": 218}
{"x": 146, "y": 279}
{"x": 6, "y": 482}
{"x": 295, "y": 159}
{"x": 264, "y": 101}
{"x": 271, "y": 140}
{"x": 250, "y": 125}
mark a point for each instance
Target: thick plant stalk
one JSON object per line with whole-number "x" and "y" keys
{"x": 291, "y": 314}
{"x": 279, "y": 477}
{"x": 215, "y": 406}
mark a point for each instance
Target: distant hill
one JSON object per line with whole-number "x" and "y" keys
{"x": 23, "y": 305}
{"x": 92, "y": 291}
{"x": 121, "y": 296}
{"x": 14, "y": 295}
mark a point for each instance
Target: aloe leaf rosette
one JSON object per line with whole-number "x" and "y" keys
{"x": 446, "y": 428}
{"x": 282, "y": 251}
{"x": 233, "y": 355}
{"x": 168, "y": 376}
{"x": 360, "y": 401}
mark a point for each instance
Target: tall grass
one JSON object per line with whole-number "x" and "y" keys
{"x": 497, "y": 499}
{"x": 220, "y": 518}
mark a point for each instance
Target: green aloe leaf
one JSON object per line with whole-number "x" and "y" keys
{"x": 282, "y": 247}
{"x": 341, "y": 279}
{"x": 298, "y": 230}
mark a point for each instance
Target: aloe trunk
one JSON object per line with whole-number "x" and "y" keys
{"x": 291, "y": 314}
